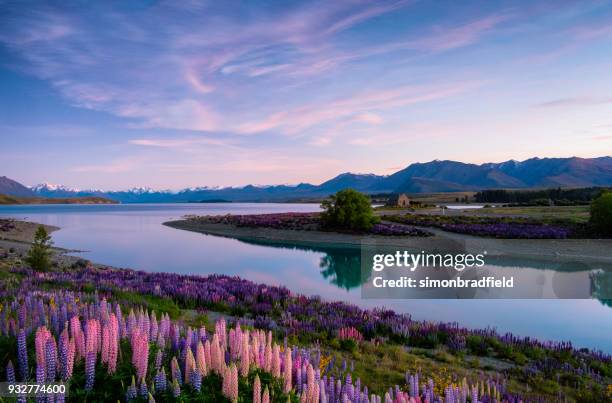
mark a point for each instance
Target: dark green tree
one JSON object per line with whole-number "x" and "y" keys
{"x": 348, "y": 209}
{"x": 601, "y": 214}
{"x": 39, "y": 255}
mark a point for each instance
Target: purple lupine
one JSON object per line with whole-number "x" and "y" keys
{"x": 90, "y": 369}
{"x": 22, "y": 354}
{"x": 40, "y": 379}
{"x": 10, "y": 372}
{"x": 161, "y": 381}
{"x": 51, "y": 359}
{"x": 131, "y": 392}
{"x": 158, "y": 359}
{"x": 176, "y": 388}
{"x": 196, "y": 379}
{"x": 143, "y": 391}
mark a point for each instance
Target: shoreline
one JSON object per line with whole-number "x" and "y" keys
{"x": 592, "y": 250}
{"x": 18, "y": 240}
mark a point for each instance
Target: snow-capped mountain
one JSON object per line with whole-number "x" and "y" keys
{"x": 434, "y": 176}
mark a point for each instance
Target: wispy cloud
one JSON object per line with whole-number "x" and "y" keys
{"x": 109, "y": 168}
{"x": 168, "y": 67}
{"x": 575, "y": 101}
{"x": 356, "y": 107}
{"x": 181, "y": 143}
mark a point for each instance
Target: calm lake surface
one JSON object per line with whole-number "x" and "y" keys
{"x": 132, "y": 235}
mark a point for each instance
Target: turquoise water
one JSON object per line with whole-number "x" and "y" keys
{"x": 131, "y": 235}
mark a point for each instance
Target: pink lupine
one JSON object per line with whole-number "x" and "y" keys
{"x": 207, "y": 355}
{"x": 234, "y": 384}
{"x": 266, "y": 396}
{"x": 221, "y": 332}
{"x": 257, "y": 390}
{"x": 40, "y": 342}
{"x": 201, "y": 359}
{"x": 268, "y": 357}
{"x": 276, "y": 361}
{"x": 190, "y": 364}
{"x": 79, "y": 338}
{"x": 350, "y": 333}
{"x": 225, "y": 387}
{"x": 245, "y": 357}
{"x": 113, "y": 346}
{"x": 216, "y": 355}
{"x": 287, "y": 370}
{"x": 70, "y": 359}
{"x": 230, "y": 383}
{"x": 105, "y": 350}
{"x": 92, "y": 336}
{"x": 254, "y": 350}
{"x": 140, "y": 353}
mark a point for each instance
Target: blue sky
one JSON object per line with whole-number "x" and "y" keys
{"x": 176, "y": 94}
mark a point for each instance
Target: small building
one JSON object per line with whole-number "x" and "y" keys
{"x": 399, "y": 200}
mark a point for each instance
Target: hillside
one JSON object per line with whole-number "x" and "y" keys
{"x": 5, "y": 199}
{"x": 14, "y": 188}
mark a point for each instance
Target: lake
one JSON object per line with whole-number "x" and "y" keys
{"x": 131, "y": 235}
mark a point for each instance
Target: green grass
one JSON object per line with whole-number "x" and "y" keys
{"x": 574, "y": 214}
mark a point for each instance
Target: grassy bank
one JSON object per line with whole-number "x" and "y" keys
{"x": 4, "y": 199}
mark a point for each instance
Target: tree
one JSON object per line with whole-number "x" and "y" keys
{"x": 39, "y": 255}
{"x": 348, "y": 209}
{"x": 601, "y": 214}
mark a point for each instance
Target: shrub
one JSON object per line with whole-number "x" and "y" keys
{"x": 39, "y": 255}
{"x": 601, "y": 214}
{"x": 348, "y": 209}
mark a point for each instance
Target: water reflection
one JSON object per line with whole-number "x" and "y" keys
{"x": 537, "y": 277}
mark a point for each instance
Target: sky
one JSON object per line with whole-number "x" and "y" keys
{"x": 175, "y": 94}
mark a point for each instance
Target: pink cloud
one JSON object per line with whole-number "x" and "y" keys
{"x": 299, "y": 119}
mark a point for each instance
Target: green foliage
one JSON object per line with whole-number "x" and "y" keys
{"x": 348, "y": 209}
{"x": 39, "y": 255}
{"x": 150, "y": 302}
{"x": 348, "y": 345}
{"x": 601, "y": 214}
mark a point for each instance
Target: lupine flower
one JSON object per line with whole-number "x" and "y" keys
{"x": 140, "y": 353}
{"x": 40, "y": 343}
{"x": 160, "y": 380}
{"x": 90, "y": 369}
{"x": 256, "y": 390}
{"x": 175, "y": 371}
{"x": 287, "y": 371}
{"x": 143, "y": 391}
{"x": 22, "y": 354}
{"x": 196, "y": 379}
{"x": 266, "y": 396}
{"x": 10, "y": 372}
{"x": 50, "y": 359}
{"x": 131, "y": 392}
{"x": 201, "y": 359}
{"x": 176, "y": 389}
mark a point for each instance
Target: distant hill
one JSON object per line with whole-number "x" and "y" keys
{"x": 429, "y": 177}
{"x": 12, "y": 188}
{"x": 5, "y": 199}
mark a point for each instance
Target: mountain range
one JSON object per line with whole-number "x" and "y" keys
{"x": 430, "y": 177}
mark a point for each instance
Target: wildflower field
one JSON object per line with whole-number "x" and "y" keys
{"x": 126, "y": 335}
